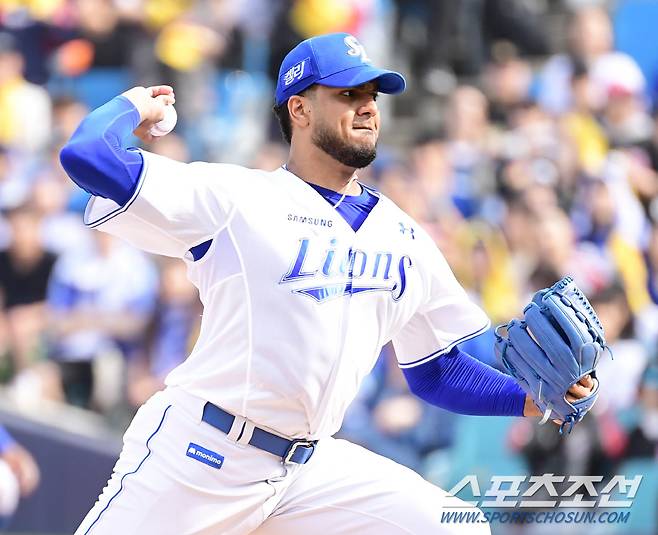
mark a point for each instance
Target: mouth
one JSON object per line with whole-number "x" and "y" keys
{"x": 364, "y": 128}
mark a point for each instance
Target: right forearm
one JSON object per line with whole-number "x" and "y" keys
{"x": 96, "y": 158}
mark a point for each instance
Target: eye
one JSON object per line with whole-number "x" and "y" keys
{"x": 347, "y": 93}
{"x": 375, "y": 95}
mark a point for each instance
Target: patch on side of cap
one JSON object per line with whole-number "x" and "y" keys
{"x": 298, "y": 72}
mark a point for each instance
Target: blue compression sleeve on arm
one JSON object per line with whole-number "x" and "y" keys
{"x": 6, "y": 440}
{"x": 460, "y": 383}
{"x": 95, "y": 157}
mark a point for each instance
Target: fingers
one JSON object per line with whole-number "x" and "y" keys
{"x": 156, "y": 90}
{"x": 167, "y": 100}
{"x": 577, "y": 392}
{"x": 587, "y": 382}
{"x": 154, "y": 111}
{"x": 581, "y": 389}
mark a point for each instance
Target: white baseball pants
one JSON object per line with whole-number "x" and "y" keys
{"x": 159, "y": 488}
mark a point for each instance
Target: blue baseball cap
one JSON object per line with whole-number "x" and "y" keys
{"x": 334, "y": 60}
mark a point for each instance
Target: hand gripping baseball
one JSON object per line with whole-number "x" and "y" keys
{"x": 556, "y": 346}
{"x": 151, "y": 103}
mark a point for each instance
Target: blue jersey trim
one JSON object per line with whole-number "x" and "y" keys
{"x": 199, "y": 251}
{"x": 372, "y": 190}
{"x": 444, "y": 350}
{"x": 133, "y": 472}
{"x": 354, "y": 209}
{"x": 333, "y": 197}
{"x": 123, "y": 208}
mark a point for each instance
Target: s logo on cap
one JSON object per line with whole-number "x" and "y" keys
{"x": 356, "y": 48}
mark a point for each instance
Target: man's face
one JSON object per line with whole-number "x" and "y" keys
{"x": 345, "y": 123}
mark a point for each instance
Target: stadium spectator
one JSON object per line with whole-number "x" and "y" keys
{"x": 469, "y": 151}
{"x": 19, "y": 475}
{"x": 651, "y": 259}
{"x": 100, "y": 302}
{"x": 621, "y": 89}
{"x": 24, "y": 107}
{"x": 452, "y": 36}
{"x": 25, "y": 268}
{"x": 590, "y": 37}
{"x": 642, "y": 437}
{"x": 623, "y": 373}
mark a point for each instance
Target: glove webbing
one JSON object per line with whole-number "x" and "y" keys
{"x": 587, "y": 319}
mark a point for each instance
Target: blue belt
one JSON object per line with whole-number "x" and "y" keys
{"x": 290, "y": 451}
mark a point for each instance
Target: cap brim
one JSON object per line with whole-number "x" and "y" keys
{"x": 390, "y": 82}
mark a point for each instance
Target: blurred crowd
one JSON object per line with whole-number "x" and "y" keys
{"x": 527, "y": 145}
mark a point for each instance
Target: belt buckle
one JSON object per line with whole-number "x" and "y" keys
{"x": 293, "y": 447}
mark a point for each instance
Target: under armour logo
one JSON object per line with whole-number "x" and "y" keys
{"x": 404, "y": 230}
{"x": 356, "y": 48}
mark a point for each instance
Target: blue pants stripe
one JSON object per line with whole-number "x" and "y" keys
{"x": 133, "y": 472}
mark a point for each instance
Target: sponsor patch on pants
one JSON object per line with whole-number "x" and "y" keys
{"x": 199, "y": 453}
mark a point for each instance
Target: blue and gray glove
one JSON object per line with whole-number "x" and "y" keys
{"x": 557, "y": 344}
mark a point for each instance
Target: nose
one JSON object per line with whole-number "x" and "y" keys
{"x": 369, "y": 107}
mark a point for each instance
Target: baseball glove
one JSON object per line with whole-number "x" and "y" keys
{"x": 557, "y": 344}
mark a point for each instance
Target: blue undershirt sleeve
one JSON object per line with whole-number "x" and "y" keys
{"x": 460, "y": 383}
{"x": 6, "y": 440}
{"x": 96, "y": 158}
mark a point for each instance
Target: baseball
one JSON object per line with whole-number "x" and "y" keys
{"x": 162, "y": 128}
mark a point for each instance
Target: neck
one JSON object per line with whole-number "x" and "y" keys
{"x": 317, "y": 167}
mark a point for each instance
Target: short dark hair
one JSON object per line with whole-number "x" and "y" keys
{"x": 283, "y": 116}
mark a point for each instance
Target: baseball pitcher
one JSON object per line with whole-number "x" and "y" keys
{"x": 304, "y": 274}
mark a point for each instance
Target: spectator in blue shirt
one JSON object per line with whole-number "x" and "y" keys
{"x": 19, "y": 475}
{"x": 101, "y": 300}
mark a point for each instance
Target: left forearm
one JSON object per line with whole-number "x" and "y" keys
{"x": 458, "y": 382}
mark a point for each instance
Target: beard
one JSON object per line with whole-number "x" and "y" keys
{"x": 357, "y": 156}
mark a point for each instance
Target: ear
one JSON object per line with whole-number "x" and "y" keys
{"x": 299, "y": 109}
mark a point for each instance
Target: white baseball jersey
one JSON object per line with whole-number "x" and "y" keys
{"x": 297, "y": 305}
